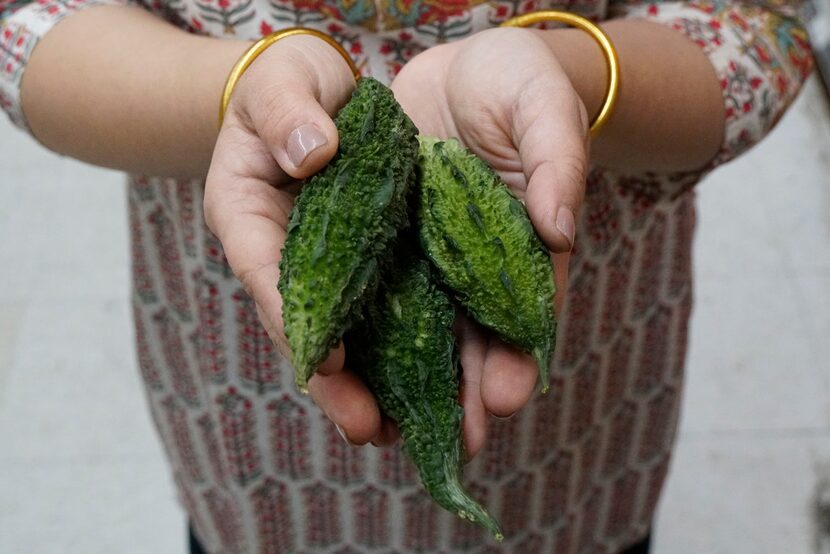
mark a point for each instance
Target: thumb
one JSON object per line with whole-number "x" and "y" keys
{"x": 552, "y": 131}
{"x": 297, "y": 131}
{"x": 287, "y": 97}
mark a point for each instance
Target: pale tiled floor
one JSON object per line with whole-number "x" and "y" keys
{"x": 755, "y": 432}
{"x": 81, "y": 471}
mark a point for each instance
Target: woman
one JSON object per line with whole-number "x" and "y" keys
{"x": 259, "y": 469}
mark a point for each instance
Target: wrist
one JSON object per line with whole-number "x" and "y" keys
{"x": 210, "y": 61}
{"x": 320, "y": 66}
{"x": 583, "y": 62}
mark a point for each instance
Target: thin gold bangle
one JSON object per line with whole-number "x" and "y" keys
{"x": 261, "y": 45}
{"x": 608, "y": 51}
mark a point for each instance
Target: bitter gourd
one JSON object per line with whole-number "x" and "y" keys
{"x": 405, "y": 350}
{"x": 481, "y": 239}
{"x": 342, "y": 223}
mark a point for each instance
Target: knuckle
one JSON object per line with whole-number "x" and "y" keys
{"x": 573, "y": 171}
{"x": 571, "y": 103}
{"x": 276, "y": 103}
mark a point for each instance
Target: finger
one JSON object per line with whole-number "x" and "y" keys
{"x": 333, "y": 362}
{"x": 508, "y": 379}
{"x": 561, "y": 270}
{"x": 551, "y": 131}
{"x": 347, "y": 402}
{"x": 245, "y": 215}
{"x": 388, "y": 434}
{"x": 472, "y": 346}
{"x": 290, "y": 106}
{"x": 299, "y": 134}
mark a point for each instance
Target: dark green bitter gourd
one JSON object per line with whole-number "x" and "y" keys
{"x": 405, "y": 350}
{"x": 481, "y": 239}
{"x": 342, "y": 223}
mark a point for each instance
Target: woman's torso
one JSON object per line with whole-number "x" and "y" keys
{"x": 260, "y": 469}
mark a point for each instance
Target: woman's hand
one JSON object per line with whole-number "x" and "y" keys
{"x": 504, "y": 95}
{"x": 278, "y": 129}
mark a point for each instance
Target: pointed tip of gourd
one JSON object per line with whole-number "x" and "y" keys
{"x": 542, "y": 357}
{"x": 301, "y": 377}
{"x": 301, "y": 384}
{"x": 457, "y": 500}
{"x": 480, "y": 516}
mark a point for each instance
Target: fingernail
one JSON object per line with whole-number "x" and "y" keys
{"x": 343, "y": 435}
{"x": 565, "y": 224}
{"x": 505, "y": 418}
{"x": 303, "y": 141}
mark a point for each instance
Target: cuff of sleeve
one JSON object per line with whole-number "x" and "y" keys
{"x": 20, "y": 31}
{"x": 760, "y": 56}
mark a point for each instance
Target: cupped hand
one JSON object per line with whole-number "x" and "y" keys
{"x": 505, "y": 96}
{"x": 276, "y": 131}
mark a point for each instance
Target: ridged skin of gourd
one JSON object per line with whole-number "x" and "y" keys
{"x": 343, "y": 222}
{"x": 404, "y": 349}
{"x": 480, "y": 238}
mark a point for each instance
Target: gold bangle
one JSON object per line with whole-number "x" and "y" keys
{"x": 604, "y": 43}
{"x": 259, "y": 47}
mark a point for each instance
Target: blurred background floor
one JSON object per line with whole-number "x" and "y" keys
{"x": 81, "y": 470}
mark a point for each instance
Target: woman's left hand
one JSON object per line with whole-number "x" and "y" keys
{"x": 505, "y": 96}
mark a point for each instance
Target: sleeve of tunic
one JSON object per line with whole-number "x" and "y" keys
{"x": 22, "y": 24}
{"x": 759, "y": 50}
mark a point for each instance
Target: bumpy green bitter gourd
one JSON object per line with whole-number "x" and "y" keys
{"x": 482, "y": 241}
{"x": 342, "y": 223}
{"x": 405, "y": 350}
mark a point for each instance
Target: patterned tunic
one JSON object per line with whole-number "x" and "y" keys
{"x": 258, "y": 467}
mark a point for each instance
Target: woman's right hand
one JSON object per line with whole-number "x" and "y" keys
{"x": 278, "y": 130}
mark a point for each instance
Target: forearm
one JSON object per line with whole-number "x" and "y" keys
{"x": 669, "y": 116}
{"x": 120, "y": 88}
